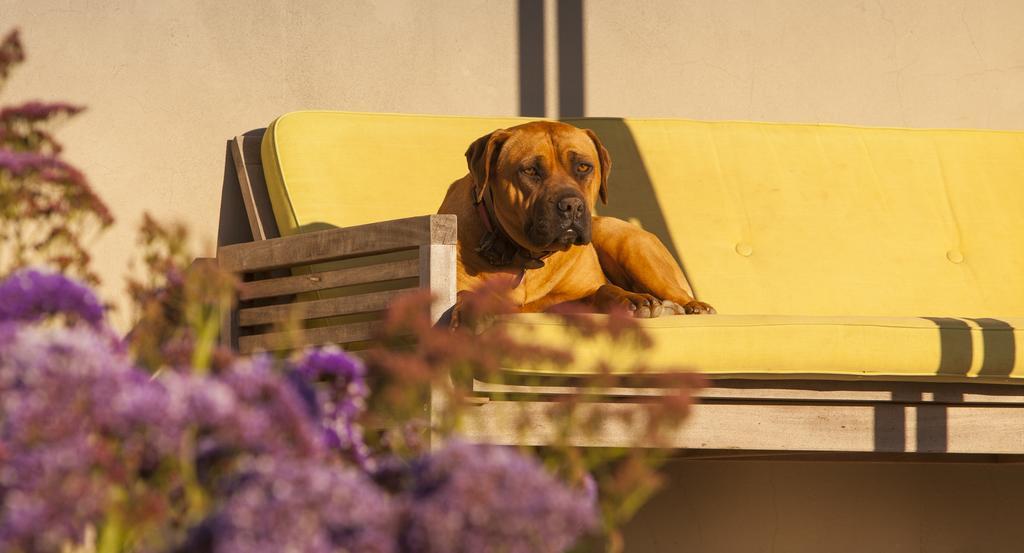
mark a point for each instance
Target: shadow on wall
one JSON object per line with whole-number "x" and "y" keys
{"x": 570, "y": 45}
{"x": 532, "y": 82}
{"x": 570, "y": 58}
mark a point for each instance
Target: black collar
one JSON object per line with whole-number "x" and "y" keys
{"x": 498, "y": 248}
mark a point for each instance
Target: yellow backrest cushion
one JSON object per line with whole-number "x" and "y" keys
{"x": 765, "y": 218}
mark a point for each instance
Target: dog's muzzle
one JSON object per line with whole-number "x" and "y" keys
{"x": 560, "y": 222}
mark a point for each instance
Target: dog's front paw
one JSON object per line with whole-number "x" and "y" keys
{"x": 642, "y": 306}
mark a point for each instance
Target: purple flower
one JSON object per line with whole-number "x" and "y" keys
{"x": 481, "y": 498}
{"x": 83, "y": 430}
{"x": 339, "y": 398}
{"x": 301, "y": 505}
{"x": 251, "y": 408}
{"x": 30, "y": 295}
{"x": 77, "y": 421}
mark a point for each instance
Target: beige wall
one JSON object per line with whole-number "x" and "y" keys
{"x": 167, "y": 83}
{"x": 932, "y": 63}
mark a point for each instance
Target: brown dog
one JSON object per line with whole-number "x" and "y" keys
{"x": 525, "y": 213}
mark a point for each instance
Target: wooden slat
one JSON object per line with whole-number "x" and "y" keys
{"x": 339, "y": 243}
{"x": 239, "y": 153}
{"x": 342, "y": 334}
{"x": 314, "y": 309}
{"x": 437, "y": 274}
{"x": 764, "y": 394}
{"x": 768, "y": 427}
{"x": 328, "y": 279}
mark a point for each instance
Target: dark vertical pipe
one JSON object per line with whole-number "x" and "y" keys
{"x": 570, "y": 58}
{"x": 531, "y": 58}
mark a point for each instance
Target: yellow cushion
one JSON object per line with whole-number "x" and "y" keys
{"x": 841, "y": 237}
{"x": 982, "y": 350}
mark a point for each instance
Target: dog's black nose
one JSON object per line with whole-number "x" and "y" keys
{"x": 571, "y": 206}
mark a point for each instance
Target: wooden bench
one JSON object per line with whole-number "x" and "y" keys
{"x": 736, "y": 418}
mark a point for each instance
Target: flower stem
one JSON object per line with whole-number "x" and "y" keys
{"x": 113, "y": 534}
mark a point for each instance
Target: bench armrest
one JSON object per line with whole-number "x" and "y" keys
{"x": 273, "y": 294}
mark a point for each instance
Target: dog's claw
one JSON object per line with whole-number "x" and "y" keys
{"x": 643, "y": 306}
{"x": 698, "y": 308}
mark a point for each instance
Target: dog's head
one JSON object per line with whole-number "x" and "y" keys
{"x": 542, "y": 179}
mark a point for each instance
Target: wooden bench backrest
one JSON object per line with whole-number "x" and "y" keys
{"x": 245, "y": 152}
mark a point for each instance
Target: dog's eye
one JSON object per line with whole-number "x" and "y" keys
{"x": 584, "y": 168}
{"x": 529, "y": 171}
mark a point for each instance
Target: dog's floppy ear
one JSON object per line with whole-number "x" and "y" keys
{"x": 482, "y": 156}
{"x": 606, "y": 164}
